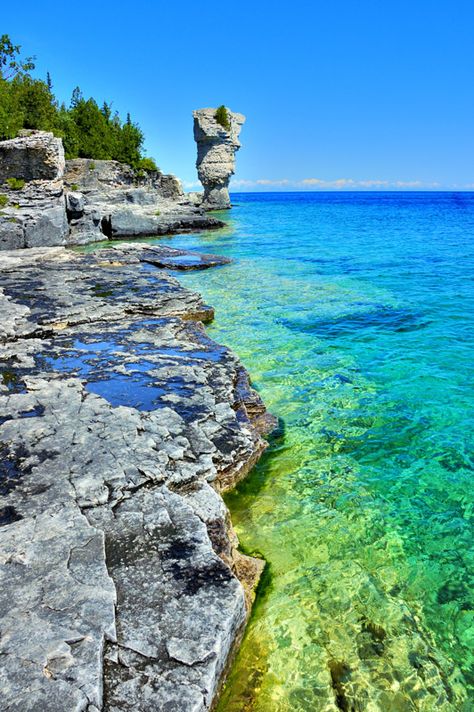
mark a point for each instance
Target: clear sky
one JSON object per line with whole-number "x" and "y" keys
{"x": 352, "y": 94}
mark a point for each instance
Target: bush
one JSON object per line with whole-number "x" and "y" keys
{"x": 222, "y": 117}
{"x": 15, "y": 183}
{"x": 148, "y": 165}
{"x": 3, "y": 200}
{"x": 92, "y": 166}
{"x": 74, "y": 186}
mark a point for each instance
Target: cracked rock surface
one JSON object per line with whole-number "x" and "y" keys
{"x": 120, "y": 423}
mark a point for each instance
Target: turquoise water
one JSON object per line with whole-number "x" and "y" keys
{"x": 354, "y": 314}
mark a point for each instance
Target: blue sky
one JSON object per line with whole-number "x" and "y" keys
{"x": 350, "y": 94}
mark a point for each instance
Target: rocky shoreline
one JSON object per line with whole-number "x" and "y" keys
{"x": 48, "y": 201}
{"x": 121, "y": 422}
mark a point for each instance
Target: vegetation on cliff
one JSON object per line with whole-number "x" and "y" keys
{"x": 222, "y": 117}
{"x": 87, "y": 130}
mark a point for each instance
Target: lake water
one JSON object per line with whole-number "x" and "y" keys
{"x": 354, "y": 314}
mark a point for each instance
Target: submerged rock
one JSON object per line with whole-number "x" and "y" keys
{"x": 217, "y": 145}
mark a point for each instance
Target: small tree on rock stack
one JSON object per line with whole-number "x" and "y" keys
{"x": 222, "y": 117}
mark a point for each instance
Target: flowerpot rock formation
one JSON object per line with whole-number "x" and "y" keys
{"x": 215, "y": 163}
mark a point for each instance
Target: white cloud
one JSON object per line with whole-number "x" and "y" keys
{"x": 341, "y": 184}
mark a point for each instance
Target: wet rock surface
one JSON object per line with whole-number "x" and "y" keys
{"x": 120, "y": 421}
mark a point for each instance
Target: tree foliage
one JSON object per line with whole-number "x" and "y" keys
{"x": 87, "y": 130}
{"x": 222, "y": 117}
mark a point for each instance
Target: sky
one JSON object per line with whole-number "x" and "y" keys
{"x": 354, "y": 94}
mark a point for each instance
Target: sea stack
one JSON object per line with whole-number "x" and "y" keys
{"x": 216, "y": 132}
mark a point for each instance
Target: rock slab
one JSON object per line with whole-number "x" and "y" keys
{"x": 120, "y": 423}
{"x": 81, "y": 201}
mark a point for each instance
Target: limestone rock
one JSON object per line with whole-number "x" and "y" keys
{"x": 12, "y": 234}
{"x": 216, "y": 155}
{"x": 102, "y": 199}
{"x": 48, "y": 227}
{"x": 130, "y": 204}
{"x": 118, "y": 586}
{"x": 35, "y": 155}
{"x": 74, "y": 204}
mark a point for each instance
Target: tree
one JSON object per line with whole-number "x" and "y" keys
{"x": 87, "y": 131}
{"x": 76, "y": 97}
{"x": 35, "y": 102}
{"x": 222, "y": 117}
{"x": 10, "y": 65}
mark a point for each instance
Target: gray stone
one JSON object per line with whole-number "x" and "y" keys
{"x": 216, "y": 155}
{"x": 56, "y": 608}
{"x": 12, "y": 233}
{"x": 74, "y": 204}
{"x": 48, "y": 227}
{"x": 119, "y": 564}
{"x": 37, "y": 155}
{"x": 113, "y": 201}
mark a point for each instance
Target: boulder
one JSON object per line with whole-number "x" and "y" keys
{"x": 48, "y": 227}
{"x": 12, "y": 234}
{"x": 34, "y": 155}
{"x": 215, "y": 163}
{"x": 74, "y": 204}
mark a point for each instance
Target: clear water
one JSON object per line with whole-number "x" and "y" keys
{"x": 354, "y": 314}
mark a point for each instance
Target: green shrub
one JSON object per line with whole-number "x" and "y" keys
{"x": 3, "y": 200}
{"x": 148, "y": 165}
{"x": 222, "y": 117}
{"x": 74, "y": 186}
{"x": 91, "y": 166}
{"x": 15, "y": 183}
{"x": 158, "y": 212}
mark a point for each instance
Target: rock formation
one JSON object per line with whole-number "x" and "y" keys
{"x": 215, "y": 163}
{"x": 34, "y": 155}
{"x": 45, "y": 201}
{"x": 120, "y": 423}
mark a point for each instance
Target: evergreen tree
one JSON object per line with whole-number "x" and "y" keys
{"x": 87, "y": 131}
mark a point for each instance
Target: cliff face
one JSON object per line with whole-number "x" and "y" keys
{"x": 215, "y": 163}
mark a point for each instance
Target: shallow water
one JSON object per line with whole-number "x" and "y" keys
{"x": 354, "y": 314}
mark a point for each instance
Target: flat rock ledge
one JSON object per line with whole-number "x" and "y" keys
{"x": 120, "y": 424}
